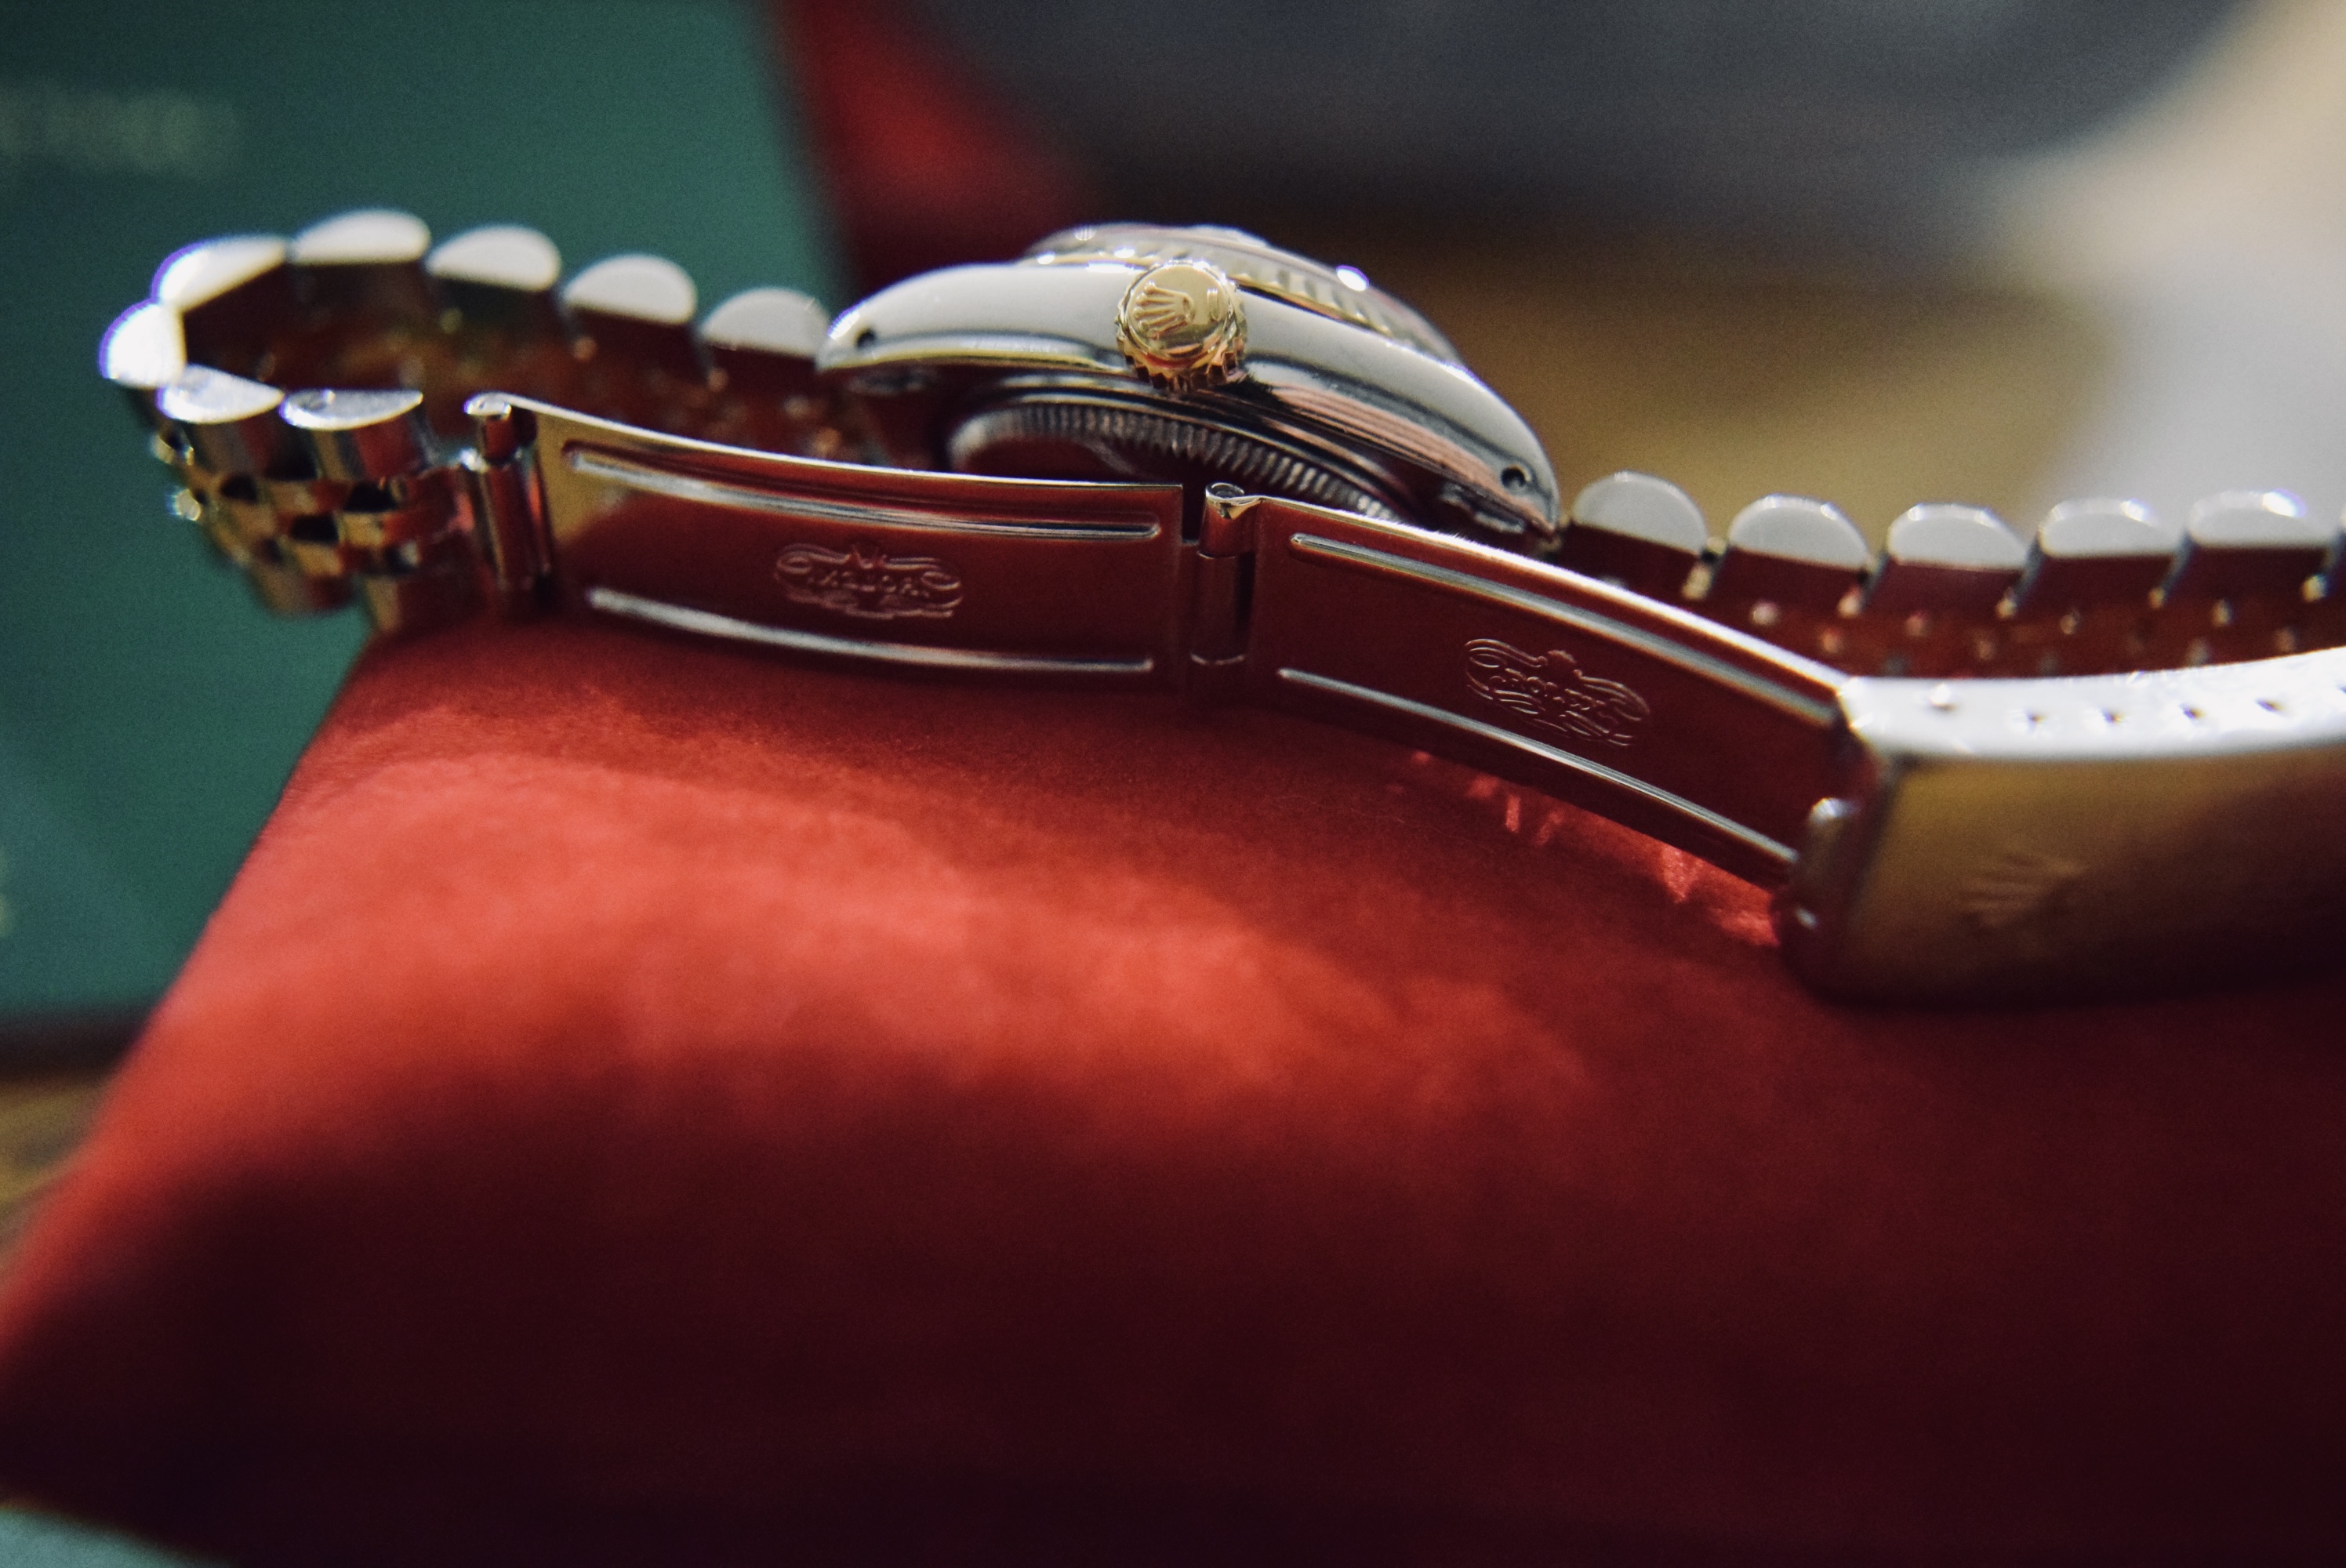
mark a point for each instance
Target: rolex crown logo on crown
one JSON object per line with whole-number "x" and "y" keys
{"x": 1182, "y": 325}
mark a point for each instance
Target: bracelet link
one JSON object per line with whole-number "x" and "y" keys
{"x": 320, "y": 496}
{"x": 2016, "y": 841}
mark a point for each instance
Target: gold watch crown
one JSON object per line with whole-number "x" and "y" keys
{"x": 1183, "y": 325}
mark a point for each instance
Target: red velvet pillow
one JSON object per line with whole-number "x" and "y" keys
{"x": 642, "y": 1103}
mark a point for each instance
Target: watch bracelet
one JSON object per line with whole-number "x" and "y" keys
{"x": 424, "y": 526}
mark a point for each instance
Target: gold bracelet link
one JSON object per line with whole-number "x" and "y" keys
{"x": 399, "y": 544}
{"x": 370, "y": 485}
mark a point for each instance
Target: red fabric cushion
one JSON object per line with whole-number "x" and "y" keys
{"x": 643, "y": 1102}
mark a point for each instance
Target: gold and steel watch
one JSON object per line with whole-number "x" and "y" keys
{"x": 2110, "y": 760}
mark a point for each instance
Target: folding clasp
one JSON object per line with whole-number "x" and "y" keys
{"x": 1045, "y": 579}
{"x": 1683, "y": 728}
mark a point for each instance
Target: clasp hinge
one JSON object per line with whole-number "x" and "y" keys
{"x": 509, "y": 520}
{"x": 1222, "y": 593}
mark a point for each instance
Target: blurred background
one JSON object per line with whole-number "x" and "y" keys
{"x": 1865, "y": 123}
{"x": 1882, "y": 251}
{"x": 1999, "y": 251}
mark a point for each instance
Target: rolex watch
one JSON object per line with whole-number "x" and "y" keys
{"x": 2108, "y": 760}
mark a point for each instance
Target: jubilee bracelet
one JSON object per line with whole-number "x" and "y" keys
{"x": 2108, "y": 760}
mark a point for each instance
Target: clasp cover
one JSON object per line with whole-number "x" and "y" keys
{"x": 1050, "y": 579}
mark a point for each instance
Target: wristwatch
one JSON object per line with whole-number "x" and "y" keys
{"x": 2111, "y": 760}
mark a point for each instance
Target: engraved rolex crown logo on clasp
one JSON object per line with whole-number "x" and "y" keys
{"x": 1183, "y": 326}
{"x": 866, "y": 582}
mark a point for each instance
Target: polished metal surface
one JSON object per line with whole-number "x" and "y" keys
{"x": 1443, "y": 449}
{"x": 1590, "y": 692}
{"x": 1975, "y": 768}
{"x": 356, "y": 437}
{"x": 2106, "y": 834}
{"x": 1182, "y": 325}
{"x": 1079, "y": 581}
{"x": 1342, "y": 292}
